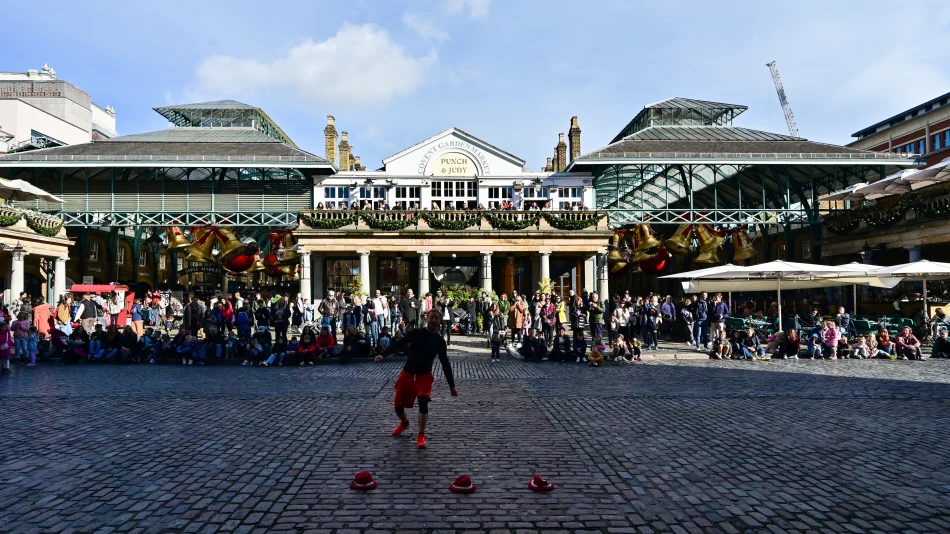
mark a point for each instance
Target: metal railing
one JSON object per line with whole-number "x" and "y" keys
{"x": 437, "y": 220}
{"x": 743, "y": 155}
{"x": 171, "y": 158}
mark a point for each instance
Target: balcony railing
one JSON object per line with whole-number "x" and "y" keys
{"x": 454, "y": 220}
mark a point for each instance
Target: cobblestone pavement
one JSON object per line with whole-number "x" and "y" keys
{"x": 661, "y": 446}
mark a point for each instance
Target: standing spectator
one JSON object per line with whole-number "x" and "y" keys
{"x": 330, "y": 309}
{"x": 136, "y": 312}
{"x": 622, "y": 316}
{"x": 193, "y": 315}
{"x": 519, "y": 314}
{"x": 21, "y": 331}
{"x": 409, "y": 306}
{"x": 700, "y": 310}
{"x": 504, "y": 306}
{"x": 548, "y": 319}
{"x": 371, "y": 321}
{"x": 485, "y": 304}
{"x": 908, "y": 347}
{"x": 381, "y": 307}
{"x": 227, "y": 316}
{"x": 43, "y": 316}
{"x": 64, "y": 317}
{"x": 86, "y": 313}
{"x": 113, "y": 308}
{"x": 717, "y": 315}
{"x": 282, "y": 319}
{"x": 668, "y": 314}
{"x": 6, "y": 348}
{"x": 472, "y": 312}
{"x": 26, "y": 306}
{"x": 595, "y": 316}
{"x": 444, "y": 305}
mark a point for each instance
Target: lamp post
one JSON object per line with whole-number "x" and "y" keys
{"x": 155, "y": 243}
{"x": 18, "y": 251}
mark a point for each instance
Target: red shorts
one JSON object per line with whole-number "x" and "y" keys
{"x": 410, "y": 386}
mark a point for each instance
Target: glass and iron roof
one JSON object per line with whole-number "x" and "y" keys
{"x": 223, "y": 114}
{"x": 681, "y": 112}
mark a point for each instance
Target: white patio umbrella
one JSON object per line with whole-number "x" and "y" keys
{"x": 892, "y": 185}
{"x": 20, "y": 191}
{"x": 718, "y": 269}
{"x": 852, "y": 193}
{"x": 778, "y": 274}
{"x": 939, "y": 172}
{"x": 918, "y": 270}
{"x": 863, "y": 268}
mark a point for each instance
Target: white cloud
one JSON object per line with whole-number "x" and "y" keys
{"x": 477, "y": 9}
{"x": 359, "y": 65}
{"x": 424, "y": 28}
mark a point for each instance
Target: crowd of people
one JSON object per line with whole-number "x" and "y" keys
{"x": 277, "y": 330}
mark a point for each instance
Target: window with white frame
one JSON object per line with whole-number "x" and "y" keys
{"x": 569, "y": 197}
{"x": 120, "y": 255}
{"x": 179, "y": 263}
{"x": 162, "y": 262}
{"x": 500, "y": 193}
{"x": 372, "y": 193}
{"x": 462, "y": 194}
{"x": 143, "y": 258}
{"x": 406, "y": 196}
{"x": 535, "y": 192}
{"x": 336, "y": 195}
{"x": 94, "y": 251}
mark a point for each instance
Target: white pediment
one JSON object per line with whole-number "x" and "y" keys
{"x": 453, "y": 153}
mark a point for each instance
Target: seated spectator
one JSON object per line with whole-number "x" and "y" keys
{"x": 264, "y": 339}
{"x": 885, "y": 347}
{"x": 277, "y": 353}
{"x": 844, "y": 348}
{"x": 111, "y": 344}
{"x": 78, "y": 349}
{"x": 255, "y": 353}
{"x": 789, "y": 346}
{"x": 324, "y": 344}
{"x": 596, "y": 357}
{"x": 354, "y": 347}
{"x": 751, "y": 346}
{"x": 619, "y": 347}
{"x": 186, "y": 350}
{"x": 292, "y": 349}
{"x": 385, "y": 339}
{"x": 579, "y": 347}
{"x": 721, "y": 347}
{"x": 941, "y": 346}
{"x": 129, "y": 346}
{"x": 908, "y": 347}
{"x": 561, "y": 351}
{"x": 215, "y": 345}
{"x": 307, "y": 351}
{"x": 859, "y": 348}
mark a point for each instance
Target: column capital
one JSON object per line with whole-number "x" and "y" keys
{"x": 363, "y": 252}
{"x": 544, "y": 252}
{"x": 423, "y": 252}
{"x": 485, "y": 252}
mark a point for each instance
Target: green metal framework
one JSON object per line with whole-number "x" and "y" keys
{"x": 766, "y": 193}
{"x": 172, "y": 196}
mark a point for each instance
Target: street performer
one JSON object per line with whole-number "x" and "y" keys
{"x": 415, "y": 380}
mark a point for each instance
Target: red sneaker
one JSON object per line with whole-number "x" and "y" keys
{"x": 403, "y": 425}
{"x": 421, "y": 441}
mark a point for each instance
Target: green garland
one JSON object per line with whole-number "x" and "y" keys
{"x": 9, "y": 220}
{"x": 390, "y": 225}
{"x": 842, "y": 223}
{"x": 439, "y": 223}
{"x": 329, "y": 224}
{"x": 563, "y": 223}
{"x": 46, "y": 231}
{"x": 501, "y": 223}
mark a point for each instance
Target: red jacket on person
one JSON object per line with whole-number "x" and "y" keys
{"x": 325, "y": 341}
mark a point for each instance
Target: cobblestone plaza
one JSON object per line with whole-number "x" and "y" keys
{"x": 662, "y": 446}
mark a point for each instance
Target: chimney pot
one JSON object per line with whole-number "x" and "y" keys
{"x": 560, "y": 137}
{"x": 574, "y": 122}
{"x": 342, "y": 136}
{"x": 331, "y": 121}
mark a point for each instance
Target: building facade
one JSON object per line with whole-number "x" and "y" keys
{"x": 37, "y": 110}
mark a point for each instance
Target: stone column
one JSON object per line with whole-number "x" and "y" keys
{"x": 423, "y": 274}
{"x": 59, "y": 279}
{"x": 486, "y": 271}
{"x": 364, "y": 271}
{"x": 915, "y": 253}
{"x": 545, "y": 264}
{"x": 306, "y": 283}
{"x": 16, "y": 276}
{"x": 590, "y": 275}
{"x": 319, "y": 263}
{"x": 602, "y": 288}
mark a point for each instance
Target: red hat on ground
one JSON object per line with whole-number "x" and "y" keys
{"x": 363, "y": 481}
{"x": 462, "y": 484}
{"x": 539, "y": 484}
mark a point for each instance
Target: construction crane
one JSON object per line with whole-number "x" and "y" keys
{"x": 787, "y": 109}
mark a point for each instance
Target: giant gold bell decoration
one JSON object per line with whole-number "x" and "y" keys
{"x": 232, "y": 245}
{"x": 681, "y": 241}
{"x": 202, "y": 250}
{"x": 614, "y": 253}
{"x": 647, "y": 245}
{"x": 258, "y": 265}
{"x": 289, "y": 250}
{"x": 176, "y": 239}
{"x": 709, "y": 242}
{"x": 743, "y": 247}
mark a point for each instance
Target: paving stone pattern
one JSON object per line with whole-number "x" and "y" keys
{"x": 664, "y": 446}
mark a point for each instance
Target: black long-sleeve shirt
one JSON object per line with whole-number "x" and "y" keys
{"x": 424, "y": 346}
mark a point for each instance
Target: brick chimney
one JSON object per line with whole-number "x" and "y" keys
{"x": 356, "y": 165}
{"x": 574, "y": 138}
{"x": 352, "y": 165}
{"x": 561, "y": 153}
{"x": 554, "y": 161}
{"x": 330, "y": 132}
{"x": 344, "y": 152}
{"x": 549, "y": 166}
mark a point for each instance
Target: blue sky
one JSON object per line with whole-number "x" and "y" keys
{"x": 512, "y": 72}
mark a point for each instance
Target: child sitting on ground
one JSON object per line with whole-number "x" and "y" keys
{"x": 277, "y": 353}
{"x": 844, "y": 348}
{"x": 596, "y": 357}
{"x": 859, "y": 348}
{"x": 255, "y": 353}
{"x": 721, "y": 348}
{"x": 580, "y": 347}
{"x": 635, "y": 348}
{"x": 185, "y": 350}
{"x": 619, "y": 347}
